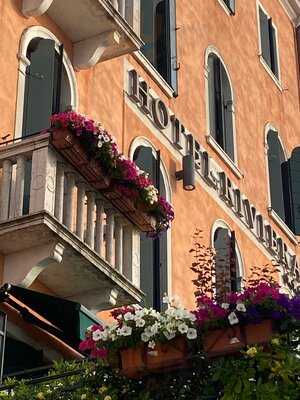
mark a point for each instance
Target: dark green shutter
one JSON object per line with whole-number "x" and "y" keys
{"x": 273, "y": 49}
{"x": 265, "y": 37}
{"x": 222, "y": 246}
{"x": 218, "y": 97}
{"x": 173, "y": 47}
{"x": 230, "y": 5}
{"x": 211, "y": 96}
{"x": 147, "y": 29}
{"x": 275, "y": 161}
{"x": 294, "y": 171}
{"x": 38, "y": 98}
{"x": 227, "y": 115}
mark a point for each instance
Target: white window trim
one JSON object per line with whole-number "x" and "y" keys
{"x": 272, "y": 213}
{"x": 225, "y": 8}
{"x": 143, "y": 141}
{"x": 276, "y": 80}
{"x": 219, "y": 223}
{"x": 224, "y": 156}
{"x": 154, "y": 74}
{"x": 27, "y": 36}
{"x": 233, "y": 164}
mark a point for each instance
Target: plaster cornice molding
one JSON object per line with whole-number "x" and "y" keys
{"x": 35, "y": 8}
{"x": 292, "y": 8}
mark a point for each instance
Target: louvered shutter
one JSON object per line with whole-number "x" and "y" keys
{"x": 211, "y": 97}
{"x": 273, "y": 49}
{"x": 173, "y": 46}
{"x": 294, "y": 171}
{"x": 227, "y": 115}
{"x": 222, "y": 245}
{"x": 230, "y": 5}
{"x": 265, "y": 37}
{"x": 218, "y": 98}
{"x": 275, "y": 160}
{"x": 38, "y": 97}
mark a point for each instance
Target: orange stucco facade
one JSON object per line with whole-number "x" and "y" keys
{"x": 258, "y": 101}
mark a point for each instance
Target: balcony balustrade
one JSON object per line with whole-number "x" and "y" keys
{"x": 99, "y": 29}
{"x": 56, "y": 228}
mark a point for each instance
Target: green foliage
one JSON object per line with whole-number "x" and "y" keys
{"x": 270, "y": 373}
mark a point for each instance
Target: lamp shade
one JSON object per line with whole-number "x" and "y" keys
{"x": 188, "y": 166}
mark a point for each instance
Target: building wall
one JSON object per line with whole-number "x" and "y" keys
{"x": 258, "y": 101}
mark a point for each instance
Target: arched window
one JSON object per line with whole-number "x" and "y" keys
{"x": 154, "y": 254}
{"x": 228, "y": 261}
{"x": 278, "y": 177}
{"x": 46, "y": 82}
{"x": 221, "y": 107}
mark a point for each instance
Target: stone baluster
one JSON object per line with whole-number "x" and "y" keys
{"x": 20, "y": 180}
{"x": 131, "y": 254}
{"x": 68, "y": 201}
{"x": 5, "y": 189}
{"x": 119, "y": 244}
{"x": 80, "y": 210}
{"x": 109, "y": 235}
{"x": 99, "y": 226}
{"x": 90, "y": 229}
{"x": 59, "y": 192}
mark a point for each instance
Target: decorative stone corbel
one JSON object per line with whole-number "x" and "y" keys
{"x": 89, "y": 52}
{"x": 35, "y": 8}
{"x": 22, "y": 268}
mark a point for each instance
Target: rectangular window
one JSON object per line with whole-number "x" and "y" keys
{"x": 158, "y": 31}
{"x": 268, "y": 42}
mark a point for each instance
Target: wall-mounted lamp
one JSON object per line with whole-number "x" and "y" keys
{"x": 187, "y": 174}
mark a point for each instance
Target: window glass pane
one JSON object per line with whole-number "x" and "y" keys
{"x": 265, "y": 37}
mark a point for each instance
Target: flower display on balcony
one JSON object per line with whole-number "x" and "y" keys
{"x": 125, "y": 176}
{"x": 134, "y": 325}
{"x": 255, "y": 304}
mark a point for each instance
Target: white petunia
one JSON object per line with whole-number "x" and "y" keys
{"x": 191, "y": 334}
{"x": 97, "y": 335}
{"x": 139, "y": 314}
{"x": 225, "y": 306}
{"x": 169, "y": 335}
{"x": 233, "y": 319}
{"x": 165, "y": 299}
{"x": 140, "y": 322}
{"x": 151, "y": 344}
{"x": 145, "y": 337}
{"x": 183, "y": 328}
{"x": 128, "y": 316}
{"x": 124, "y": 331}
{"x": 241, "y": 307}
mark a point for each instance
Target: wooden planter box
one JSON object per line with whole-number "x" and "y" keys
{"x": 224, "y": 341}
{"x": 70, "y": 147}
{"x": 168, "y": 356}
{"x": 259, "y": 333}
{"x": 133, "y": 363}
{"x": 130, "y": 210}
{"x": 139, "y": 361}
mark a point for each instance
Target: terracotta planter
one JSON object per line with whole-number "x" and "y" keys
{"x": 137, "y": 215}
{"x": 224, "y": 341}
{"x": 70, "y": 147}
{"x": 133, "y": 361}
{"x": 168, "y": 356}
{"x": 258, "y": 333}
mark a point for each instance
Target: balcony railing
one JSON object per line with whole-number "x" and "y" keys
{"x": 45, "y": 202}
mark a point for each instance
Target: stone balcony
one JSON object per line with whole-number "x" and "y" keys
{"x": 99, "y": 29}
{"x": 56, "y": 229}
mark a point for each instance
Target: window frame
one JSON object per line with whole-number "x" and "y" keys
{"x": 143, "y": 141}
{"x": 27, "y": 36}
{"x": 226, "y": 8}
{"x": 276, "y": 79}
{"x": 219, "y": 223}
{"x": 232, "y": 164}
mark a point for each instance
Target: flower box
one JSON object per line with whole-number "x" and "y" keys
{"x": 134, "y": 212}
{"x": 168, "y": 356}
{"x": 258, "y": 333}
{"x": 224, "y": 341}
{"x": 70, "y": 147}
{"x": 133, "y": 363}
